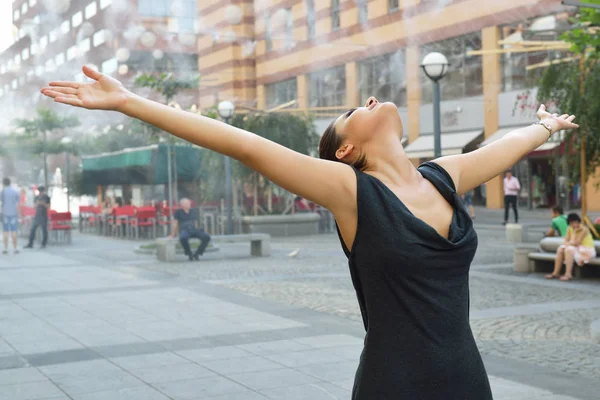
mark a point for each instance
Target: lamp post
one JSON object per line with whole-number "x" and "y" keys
{"x": 226, "y": 110}
{"x": 435, "y": 65}
{"x": 67, "y": 142}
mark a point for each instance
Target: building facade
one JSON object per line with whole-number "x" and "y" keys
{"x": 325, "y": 56}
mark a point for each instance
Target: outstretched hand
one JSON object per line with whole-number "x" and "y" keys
{"x": 105, "y": 93}
{"x": 556, "y": 122}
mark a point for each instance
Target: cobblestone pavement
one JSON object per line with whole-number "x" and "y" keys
{"x": 318, "y": 278}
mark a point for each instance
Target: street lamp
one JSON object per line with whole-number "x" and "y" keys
{"x": 226, "y": 110}
{"x": 67, "y": 142}
{"x": 435, "y": 65}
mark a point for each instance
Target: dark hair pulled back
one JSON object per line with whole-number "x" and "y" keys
{"x": 331, "y": 142}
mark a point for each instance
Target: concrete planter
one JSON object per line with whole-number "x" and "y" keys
{"x": 282, "y": 225}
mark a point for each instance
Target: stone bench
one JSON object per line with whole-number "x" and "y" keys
{"x": 543, "y": 259}
{"x": 260, "y": 244}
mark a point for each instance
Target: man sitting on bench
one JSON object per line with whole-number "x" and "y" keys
{"x": 186, "y": 222}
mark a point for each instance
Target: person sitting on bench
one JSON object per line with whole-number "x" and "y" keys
{"x": 578, "y": 248}
{"x": 186, "y": 222}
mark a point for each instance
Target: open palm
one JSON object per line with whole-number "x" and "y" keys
{"x": 556, "y": 122}
{"x": 105, "y": 93}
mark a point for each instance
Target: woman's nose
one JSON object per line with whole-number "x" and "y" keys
{"x": 370, "y": 101}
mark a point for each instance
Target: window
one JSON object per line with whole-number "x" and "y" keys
{"x": 50, "y": 65}
{"x": 99, "y": 38}
{"x": 25, "y": 54}
{"x": 36, "y": 19}
{"x": 105, "y": 3}
{"x": 515, "y": 75}
{"x": 15, "y": 84}
{"x": 110, "y": 66}
{"x": 32, "y": 3}
{"x": 43, "y": 42}
{"x": 53, "y": 34}
{"x": 72, "y": 53}
{"x": 77, "y": 19}
{"x": 327, "y": 88}
{"x": 24, "y": 9}
{"x": 16, "y": 15}
{"x": 465, "y": 74}
{"x": 393, "y": 5}
{"x": 281, "y": 92}
{"x": 289, "y": 29}
{"x": 90, "y": 10}
{"x": 383, "y": 77}
{"x": 60, "y": 59}
{"x": 310, "y": 19}
{"x": 184, "y": 12}
{"x": 363, "y": 11}
{"x": 84, "y": 45}
{"x": 2, "y": 69}
{"x": 39, "y": 70}
{"x": 335, "y": 14}
{"x": 18, "y": 59}
{"x": 65, "y": 27}
{"x": 268, "y": 34}
{"x": 154, "y": 8}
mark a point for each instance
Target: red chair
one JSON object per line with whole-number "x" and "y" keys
{"x": 86, "y": 217}
{"x": 60, "y": 225}
{"x": 120, "y": 220}
{"x": 145, "y": 217}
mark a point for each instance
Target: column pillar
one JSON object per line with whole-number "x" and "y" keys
{"x": 261, "y": 101}
{"x": 492, "y": 86}
{"x": 352, "y": 95}
{"x": 302, "y": 91}
{"x": 413, "y": 92}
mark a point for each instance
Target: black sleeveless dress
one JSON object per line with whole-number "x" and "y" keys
{"x": 412, "y": 286}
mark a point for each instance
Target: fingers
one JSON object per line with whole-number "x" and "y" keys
{"x": 51, "y": 93}
{"x": 564, "y": 116}
{"x": 91, "y": 73}
{"x": 66, "y": 90}
{"x": 72, "y": 101}
{"x": 571, "y": 118}
{"x": 74, "y": 85}
{"x": 542, "y": 107}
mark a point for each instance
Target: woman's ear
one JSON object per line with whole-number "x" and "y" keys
{"x": 344, "y": 151}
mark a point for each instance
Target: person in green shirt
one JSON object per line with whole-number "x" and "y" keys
{"x": 559, "y": 222}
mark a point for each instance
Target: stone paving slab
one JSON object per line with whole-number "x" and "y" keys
{"x": 171, "y": 338}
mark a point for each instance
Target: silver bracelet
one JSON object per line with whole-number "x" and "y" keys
{"x": 545, "y": 125}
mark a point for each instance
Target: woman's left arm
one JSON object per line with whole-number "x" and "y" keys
{"x": 578, "y": 239}
{"x": 477, "y": 167}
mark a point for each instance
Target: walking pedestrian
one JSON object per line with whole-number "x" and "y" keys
{"x": 511, "y": 191}
{"x": 407, "y": 236}
{"x": 186, "y": 224}
{"x": 11, "y": 210}
{"x": 42, "y": 205}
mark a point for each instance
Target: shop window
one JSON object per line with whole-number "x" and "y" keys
{"x": 465, "y": 73}
{"x": 281, "y": 92}
{"x": 335, "y": 14}
{"x": 327, "y": 88}
{"x": 383, "y": 77}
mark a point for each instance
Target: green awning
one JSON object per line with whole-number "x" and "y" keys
{"x": 141, "y": 166}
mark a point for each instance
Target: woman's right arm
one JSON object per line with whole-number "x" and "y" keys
{"x": 327, "y": 183}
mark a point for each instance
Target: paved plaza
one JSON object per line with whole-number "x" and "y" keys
{"x": 94, "y": 320}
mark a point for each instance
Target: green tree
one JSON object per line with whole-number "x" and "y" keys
{"x": 169, "y": 86}
{"x": 35, "y": 134}
{"x": 574, "y": 86}
{"x": 296, "y": 132}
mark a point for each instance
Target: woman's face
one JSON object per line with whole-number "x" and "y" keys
{"x": 575, "y": 224}
{"x": 366, "y": 124}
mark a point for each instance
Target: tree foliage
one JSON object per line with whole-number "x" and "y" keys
{"x": 296, "y": 132}
{"x": 34, "y": 134}
{"x": 167, "y": 84}
{"x": 575, "y": 89}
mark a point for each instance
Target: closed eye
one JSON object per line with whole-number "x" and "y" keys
{"x": 349, "y": 112}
